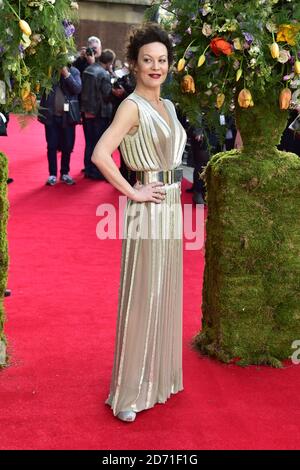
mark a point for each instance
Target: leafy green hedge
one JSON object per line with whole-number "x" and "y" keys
{"x": 3, "y": 250}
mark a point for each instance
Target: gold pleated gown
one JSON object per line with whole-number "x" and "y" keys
{"x": 148, "y": 350}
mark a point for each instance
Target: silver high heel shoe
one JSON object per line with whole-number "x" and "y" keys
{"x": 127, "y": 416}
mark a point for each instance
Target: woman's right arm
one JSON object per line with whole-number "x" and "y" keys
{"x": 125, "y": 119}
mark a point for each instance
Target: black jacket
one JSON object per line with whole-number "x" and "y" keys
{"x": 96, "y": 95}
{"x": 81, "y": 64}
{"x": 71, "y": 87}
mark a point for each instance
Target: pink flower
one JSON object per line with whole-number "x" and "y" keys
{"x": 288, "y": 77}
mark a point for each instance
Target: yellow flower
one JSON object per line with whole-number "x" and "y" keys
{"x": 239, "y": 74}
{"x": 29, "y": 103}
{"x": 181, "y": 65}
{"x": 297, "y": 67}
{"x": 237, "y": 44}
{"x": 24, "y": 26}
{"x": 287, "y": 33}
{"x": 274, "y": 49}
{"x": 201, "y": 60}
{"x": 220, "y": 100}
{"x": 25, "y": 91}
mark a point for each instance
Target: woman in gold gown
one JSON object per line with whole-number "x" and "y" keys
{"x": 148, "y": 351}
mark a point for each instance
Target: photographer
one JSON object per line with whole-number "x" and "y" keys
{"x": 88, "y": 55}
{"x": 96, "y": 106}
{"x": 122, "y": 79}
{"x": 58, "y": 113}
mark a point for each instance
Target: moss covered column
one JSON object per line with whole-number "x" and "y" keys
{"x": 3, "y": 251}
{"x": 251, "y": 295}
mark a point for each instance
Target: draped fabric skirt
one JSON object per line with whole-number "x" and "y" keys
{"x": 148, "y": 349}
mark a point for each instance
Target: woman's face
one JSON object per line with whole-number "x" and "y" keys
{"x": 152, "y": 65}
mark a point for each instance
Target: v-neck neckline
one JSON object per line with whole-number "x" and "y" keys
{"x": 152, "y": 107}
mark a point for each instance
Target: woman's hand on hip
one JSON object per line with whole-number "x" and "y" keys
{"x": 152, "y": 192}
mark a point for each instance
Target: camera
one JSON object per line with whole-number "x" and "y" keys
{"x": 115, "y": 82}
{"x": 90, "y": 51}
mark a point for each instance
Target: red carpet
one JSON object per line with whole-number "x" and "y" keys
{"x": 61, "y": 326}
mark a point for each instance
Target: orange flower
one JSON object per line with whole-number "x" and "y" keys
{"x": 29, "y": 103}
{"x": 287, "y": 33}
{"x": 245, "y": 98}
{"x": 25, "y": 91}
{"x": 285, "y": 98}
{"x": 220, "y": 46}
{"x": 188, "y": 84}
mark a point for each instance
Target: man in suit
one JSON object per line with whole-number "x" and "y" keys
{"x": 96, "y": 106}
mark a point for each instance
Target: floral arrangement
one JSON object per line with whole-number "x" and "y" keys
{"x": 231, "y": 53}
{"x": 36, "y": 40}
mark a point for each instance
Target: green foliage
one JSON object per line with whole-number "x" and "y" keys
{"x": 29, "y": 61}
{"x": 3, "y": 250}
{"x": 243, "y": 59}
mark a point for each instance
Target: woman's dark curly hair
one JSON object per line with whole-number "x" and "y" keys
{"x": 147, "y": 33}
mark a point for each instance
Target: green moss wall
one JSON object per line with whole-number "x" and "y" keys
{"x": 251, "y": 295}
{"x": 3, "y": 251}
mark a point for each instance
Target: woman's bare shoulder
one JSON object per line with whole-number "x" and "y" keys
{"x": 127, "y": 114}
{"x": 129, "y": 104}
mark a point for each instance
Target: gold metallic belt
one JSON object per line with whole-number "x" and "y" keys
{"x": 165, "y": 176}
